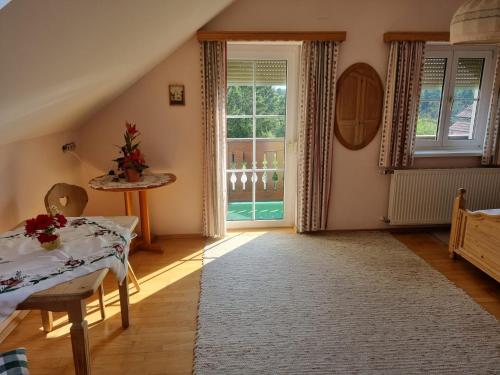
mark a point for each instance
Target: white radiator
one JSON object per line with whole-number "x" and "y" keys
{"x": 425, "y": 196}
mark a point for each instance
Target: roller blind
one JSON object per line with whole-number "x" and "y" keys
{"x": 469, "y": 72}
{"x": 434, "y": 71}
{"x": 267, "y": 72}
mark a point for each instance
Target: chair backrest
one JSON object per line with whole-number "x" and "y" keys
{"x": 76, "y": 199}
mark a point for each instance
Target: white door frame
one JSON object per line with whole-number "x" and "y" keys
{"x": 291, "y": 53}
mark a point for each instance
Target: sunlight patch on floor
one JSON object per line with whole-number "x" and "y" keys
{"x": 231, "y": 242}
{"x": 154, "y": 281}
{"x": 150, "y": 283}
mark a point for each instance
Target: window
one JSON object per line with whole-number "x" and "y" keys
{"x": 3, "y": 3}
{"x": 454, "y": 99}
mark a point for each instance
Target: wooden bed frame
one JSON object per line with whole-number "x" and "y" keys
{"x": 475, "y": 236}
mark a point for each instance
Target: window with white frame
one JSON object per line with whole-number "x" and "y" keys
{"x": 454, "y": 98}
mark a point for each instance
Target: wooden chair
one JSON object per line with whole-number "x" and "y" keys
{"x": 66, "y": 199}
{"x": 70, "y": 200}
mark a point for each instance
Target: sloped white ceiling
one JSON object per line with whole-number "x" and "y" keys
{"x": 61, "y": 60}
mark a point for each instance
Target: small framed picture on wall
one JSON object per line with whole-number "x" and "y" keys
{"x": 176, "y": 94}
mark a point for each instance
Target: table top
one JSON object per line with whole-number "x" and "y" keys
{"x": 81, "y": 287}
{"x": 148, "y": 181}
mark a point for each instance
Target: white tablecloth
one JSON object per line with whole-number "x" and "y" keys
{"x": 88, "y": 244}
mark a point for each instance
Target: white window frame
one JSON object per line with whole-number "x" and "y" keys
{"x": 443, "y": 145}
{"x": 289, "y": 51}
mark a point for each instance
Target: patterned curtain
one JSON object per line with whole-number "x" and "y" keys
{"x": 213, "y": 89}
{"x": 319, "y": 67}
{"x": 491, "y": 147}
{"x": 402, "y": 94}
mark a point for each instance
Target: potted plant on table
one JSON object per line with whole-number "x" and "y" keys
{"x": 43, "y": 228}
{"x": 132, "y": 163}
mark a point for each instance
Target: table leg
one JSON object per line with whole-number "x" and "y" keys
{"x": 79, "y": 337}
{"x": 124, "y": 303}
{"x": 132, "y": 276}
{"x": 47, "y": 320}
{"x": 128, "y": 203}
{"x": 102, "y": 307}
{"x": 145, "y": 227}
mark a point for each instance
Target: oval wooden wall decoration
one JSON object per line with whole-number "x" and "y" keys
{"x": 358, "y": 106}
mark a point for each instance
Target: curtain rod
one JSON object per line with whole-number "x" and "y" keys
{"x": 426, "y": 36}
{"x": 338, "y": 36}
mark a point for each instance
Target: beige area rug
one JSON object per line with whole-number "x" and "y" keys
{"x": 354, "y": 303}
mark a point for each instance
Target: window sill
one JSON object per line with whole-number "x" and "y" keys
{"x": 446, "y": 153}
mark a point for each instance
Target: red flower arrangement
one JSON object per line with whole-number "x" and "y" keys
{"x": 132, "y": 163}
{"x": 43, "y": 227}
{"x": 131, "y": 128}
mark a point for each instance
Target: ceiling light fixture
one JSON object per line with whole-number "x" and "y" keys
{"x": 475, "y": 22}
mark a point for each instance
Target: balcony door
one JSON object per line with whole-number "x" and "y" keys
{"x": 261, "y": 134}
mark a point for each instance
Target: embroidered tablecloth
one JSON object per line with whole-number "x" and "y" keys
{"x": 88, "y": 244}
{"x": 148, "y": 181}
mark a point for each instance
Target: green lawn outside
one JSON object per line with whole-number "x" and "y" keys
{"x": 426, "y": 127}
{"x": 238, "y": 211}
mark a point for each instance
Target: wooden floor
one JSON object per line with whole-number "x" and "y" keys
{"x": 482, "y": 288}
{"x": 161, "y": 336}
{"x": 162, "y": 330}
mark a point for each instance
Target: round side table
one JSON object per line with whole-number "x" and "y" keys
{"x": 148, "y": 181}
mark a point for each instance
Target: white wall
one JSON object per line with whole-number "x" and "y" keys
{"x": 171, "y": 142}
{"x": 28, "y": 169}
{"x": 359, "y": 192}
{"x": 172, "y": 135}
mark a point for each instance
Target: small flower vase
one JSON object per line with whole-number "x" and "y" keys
{"x": 132, "y": 175}
{"x": 52, "y": 245}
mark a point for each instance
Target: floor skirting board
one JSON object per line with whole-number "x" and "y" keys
{"x": 9, "y": 324}
{"x": 179, "y": 236}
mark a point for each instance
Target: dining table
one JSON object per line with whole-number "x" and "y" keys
{"x": 70, "y": 297}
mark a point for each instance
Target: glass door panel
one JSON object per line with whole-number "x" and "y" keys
{"x": 465, "y": 98}
{"x": 256, "y": 130}
{"x": 431, "y": 94}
